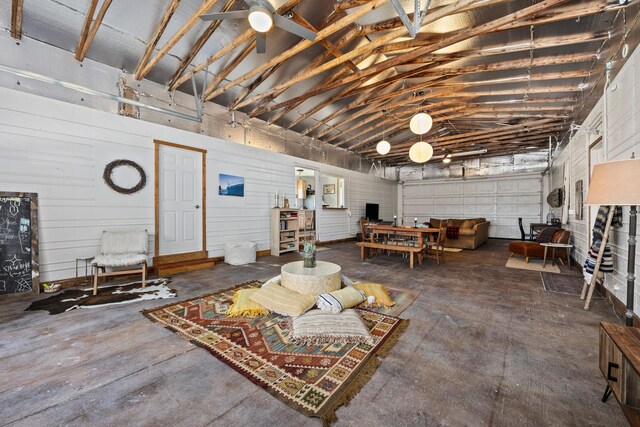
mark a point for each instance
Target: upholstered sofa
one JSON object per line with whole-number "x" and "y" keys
{"x": 534, "y": 249}
{"x": 473, "y": 232}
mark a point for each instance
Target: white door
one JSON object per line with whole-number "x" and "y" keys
{"x": 179, "y": 200}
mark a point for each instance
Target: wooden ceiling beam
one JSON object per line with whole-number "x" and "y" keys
{"x": 304, "y": 44}
{"x": 330, "y": 47}
{"x": 392, "y": 24}
{"x": 343, "y": 5}
{"x": 197, "y": 47}
{"x": 91, "y": 27}
{"x": 229, "y": 47}
{"x": 233, "y": 64}
{"x": 166, "y": 17}
{"x": 369, "y": 47}
{"x": 184, "y": 29}
{"x": 370, "y": 105}
{"x": 526, "y": 126}
{"x": 393, "y": 62}
{"x": 16, "y": 18}
{"x": 394, "y": 117}
{"x": 467, "y": 97}
{"x": 478, "y": 145}
{"x": 401, "y": 123}
{"x": 344, "y": 41}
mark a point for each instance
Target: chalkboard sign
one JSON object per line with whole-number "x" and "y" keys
{"x": 19, "y": 270}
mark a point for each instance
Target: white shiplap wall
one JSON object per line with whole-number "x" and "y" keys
{"x": 501, "y": 200}
{"x": 59, "y": 151}
{"x": 616, "y": 118}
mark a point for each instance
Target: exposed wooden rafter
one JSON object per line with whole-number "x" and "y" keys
{"x": 91, "y": 27}
{"x": 16, "y": 18}
{"x": 166, "y": 17}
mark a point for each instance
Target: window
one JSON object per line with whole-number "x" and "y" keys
{"x": 332, "y": 188}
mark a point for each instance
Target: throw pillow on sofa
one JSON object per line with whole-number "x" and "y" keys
{"x": 468, "y": 223}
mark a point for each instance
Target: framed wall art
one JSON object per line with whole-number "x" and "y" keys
{"x": 230, "y": 185}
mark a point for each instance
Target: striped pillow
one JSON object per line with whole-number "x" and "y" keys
{"x": 320, "y": 327}
{"x": 337, "y": 301}
{"x": 282, "y": 300}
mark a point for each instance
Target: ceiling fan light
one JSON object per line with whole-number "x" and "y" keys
{"x": 446, "y": 160}
{"x": 260, "y": 19}
{"x": 420, "y": 123}
{"x": 420, "y": 152}
{"x": 383, "y": 147}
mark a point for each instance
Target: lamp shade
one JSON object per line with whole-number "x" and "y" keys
{"x": 383, "y": 147}
{"x": 420, "y": 123}
{"x": 260, "y": 19}
{"x": 420, "y": 152}
{"x": 615, "y": 183}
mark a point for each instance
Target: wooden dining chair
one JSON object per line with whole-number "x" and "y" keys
{"x": 437, "y": 245}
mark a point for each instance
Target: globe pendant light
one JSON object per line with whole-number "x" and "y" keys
{"x": 383, "y": 147}
{"x": 420, "y": 152}
{"x": 420, "y": 123}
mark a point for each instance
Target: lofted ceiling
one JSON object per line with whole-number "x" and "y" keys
{"x": 498, "y": 77}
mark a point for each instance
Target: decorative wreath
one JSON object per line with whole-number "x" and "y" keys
{"x": 108, "y": 170}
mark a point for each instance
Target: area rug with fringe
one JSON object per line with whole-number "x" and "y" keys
{"x": 564, "y": 284}
{"x": 315, "y": 380}
{"x": 73, "y": 299}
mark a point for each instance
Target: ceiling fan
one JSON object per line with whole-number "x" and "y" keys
{"x": 262, "y": 17}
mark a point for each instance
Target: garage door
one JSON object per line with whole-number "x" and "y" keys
{"x": 500, "y": 200}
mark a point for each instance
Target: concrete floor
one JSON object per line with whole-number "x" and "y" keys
{"x": 486, "y": 346}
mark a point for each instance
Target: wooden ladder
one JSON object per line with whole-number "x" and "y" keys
{"x": 596, "y": 271}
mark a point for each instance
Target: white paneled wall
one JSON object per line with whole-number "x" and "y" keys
{"x": 59, "y": 151}
{"x": 616, "y": 118}
{"x": 500, "y": 200}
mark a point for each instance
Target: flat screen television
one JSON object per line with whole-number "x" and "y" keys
{"x": 371, "y": 211}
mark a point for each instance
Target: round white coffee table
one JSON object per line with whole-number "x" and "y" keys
{"x": 554, "y": 246}
{"x": 324, "y": 277}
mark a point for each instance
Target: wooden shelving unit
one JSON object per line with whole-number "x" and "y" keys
{"x": 284, "y": 231}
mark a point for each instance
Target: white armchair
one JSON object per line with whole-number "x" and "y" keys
{"x": 121, "y": 249}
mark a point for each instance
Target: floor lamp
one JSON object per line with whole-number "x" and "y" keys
{"x": 618, "y": 184}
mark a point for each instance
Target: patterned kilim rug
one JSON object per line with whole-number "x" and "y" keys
{"x": 564, "y": 284}
{"x": 315, "y": 380}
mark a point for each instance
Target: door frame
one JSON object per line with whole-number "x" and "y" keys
{"x": 159, "y": 259}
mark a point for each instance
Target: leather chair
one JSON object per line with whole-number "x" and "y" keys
{"x": 536, "y": 250}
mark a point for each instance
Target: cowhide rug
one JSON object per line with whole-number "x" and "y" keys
{"x": 72, "y": 299}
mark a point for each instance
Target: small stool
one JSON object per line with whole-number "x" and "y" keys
{"x": 87, "y": 263}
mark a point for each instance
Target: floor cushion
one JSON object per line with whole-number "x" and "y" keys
{"x": 379, "y": 292}
{"x": 243, "y": 306}
{"x": 322, "y": 327}
{"x": 282, "y": 300}
{"x": 337, "y": 301}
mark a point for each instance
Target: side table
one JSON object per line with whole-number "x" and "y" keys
{"x": 555, "y": 246}
{"x": 87, "y": 263}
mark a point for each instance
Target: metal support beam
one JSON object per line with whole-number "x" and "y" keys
{"x": 88, "y": 91}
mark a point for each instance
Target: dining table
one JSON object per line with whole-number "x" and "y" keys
{"x": 395, "y": 230}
